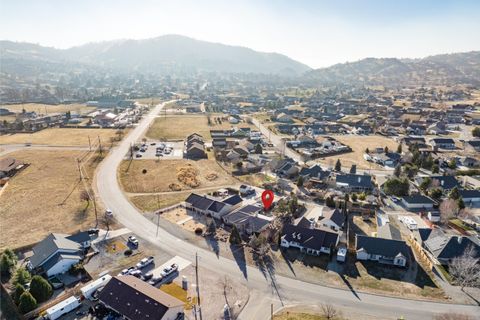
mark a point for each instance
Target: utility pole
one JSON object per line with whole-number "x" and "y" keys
{"x": 79, "y": 169}
{"x": 100, "y": 146}
{"x": 158, "y": 215}
{"x": 271, "y": 311}
{"x": 198, "y": 288}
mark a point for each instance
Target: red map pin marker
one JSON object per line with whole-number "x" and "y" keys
{"x": 267, "y": 199}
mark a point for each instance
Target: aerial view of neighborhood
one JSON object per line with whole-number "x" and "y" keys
{"x": 251, "y": 160}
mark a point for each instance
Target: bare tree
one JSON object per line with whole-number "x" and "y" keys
{"x": 448, "y": 209}
{"x": 452, "y": 316}
{"x": 329, "y": 312}
{"x": 465, "y": 269}
{"x": 84, "y": 196}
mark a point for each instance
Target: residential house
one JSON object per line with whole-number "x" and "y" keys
{"x": 417, "y": 202}
{"x": 386, "y": 251}
{"x": 472, "y": 145}
{"x": 10, "y": 166}
{"x": 248, "y": 220}
{"x": 333, "y": 219}
{"x": 285, "y": 118}
{"x": 207, "y": 205}
{"x": 309, "y": 240}
{"x": 134, "y": 299}
{"x": 442, "y": 143}
{"x": 57, "y": 253}
{"x": 470, "y": 197}
{"x": 354, "y": 182}
{"x": 445, "y": 182}
{"x": 445, "y": 248}
{"x": 314, "y": 172}
{"x": 195, "y": 147}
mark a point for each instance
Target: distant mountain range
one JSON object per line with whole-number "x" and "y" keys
{"x": 456, "y": 68}
{"x": 165, "y": 54}
{"x": 174, "y": 54}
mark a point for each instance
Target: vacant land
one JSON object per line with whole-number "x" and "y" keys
{"x": 179, "y": 127}
{"x": 171, "y": 175}
{"x": 61, "y": 137}
{"x": 287, "y": 315}
{"x": 47, "y": 108}
{"x": 149, "y": 203}
{"x": 358, "y": 145}
{"x": 45, "y": 197}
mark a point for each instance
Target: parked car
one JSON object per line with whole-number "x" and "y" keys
{"x": 169, "y": 270}
{"x": 145, "y": 262}
{"x": 147, "y": 277}
{"x": 158, "y": 154}
{"x": 93, "y": 231}
{"x": 155, "y": 280}
{"x": 127, "y": 271}
{"x": 138, "y": 155}
{"x": 136, "y": 273}
{"x": 108, "y": 213}
{"x": 153, "y": 143}
{"x": 133, "y": 241}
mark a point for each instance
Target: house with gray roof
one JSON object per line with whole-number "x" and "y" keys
{"x": 385, "y": 251}
{"x": 444, "y": 248}
{"x": 58, "y": 252}
{"x": 354, "y": 182}
{"x": 312, "y": 241}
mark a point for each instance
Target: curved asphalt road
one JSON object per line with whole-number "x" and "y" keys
{"x": 286, "y": 291}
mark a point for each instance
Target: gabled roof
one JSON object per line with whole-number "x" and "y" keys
{"x": 443, "y": 140}
{"x": 8, "y": 164}
{"x": 465, "y": 194}
{"x": 199, "y": 202}
{"x": 233, "y": 200}
{"x": 80, "y": 237}
{"x": 216, "y": 206}
{"x": 336, "y": 216}
{"x": 446, "y": 182}
{"x": 380, "y": 246}
{"x": 53, "y": 243}
{"x": 355, "y": 180}
{"x": 309, "y": 238}
{"x": 445, "y": 248}
{"x": 136, "y": 299}
{"x": 418, "y": 199}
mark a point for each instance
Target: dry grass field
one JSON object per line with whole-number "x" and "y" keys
{"x": 44, "y": 198}
{"x": 61, "y": 137}
{"x": 358, "y": 145}
{"x": 47, "y": 108}
{"x": 179, "y": 127}
{"x": 171, "y": 175}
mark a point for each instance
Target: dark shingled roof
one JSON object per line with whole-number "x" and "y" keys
{"x": 216, "y": 206}
{"x": 446, "y": 182}
{"x": 137, "y": 300}
{"x": 199, "y": 202}
{"x": 233, "y": 200}
{"x": 380, "y": 246}
{"x": 469, "y": 193}
{"x": 418, "y": 199}
{"x": 336, "y": 216}
{"x": 444, "y": 248}
{"x": 309, "y": 238}
{"x": 355, "y": 180}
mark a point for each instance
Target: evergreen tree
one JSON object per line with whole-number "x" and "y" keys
{"x": 40, "y": 289}
{"x": 6, "y": 265}
{"x": 258, "y": 149}
{"x": 353, "y": 169}
{"x": 338, "y": 165}
{"x": 26, "y": 302}
{"x": 300, "y": 181}
{"x": 212, "y": 227}
{"x": 235, "y": 237}
{"x": 22, "y": 276}
{"x": 399, "y": 148}
{"x": 19, "y": 289}
{"x": 460, "y": 203}
{"x": 398, "y": 170}
{"x": 454, "y": 194}
{"x": 435, "y": 168}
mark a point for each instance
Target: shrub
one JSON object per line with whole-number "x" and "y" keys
{"x": 6, "y": 265}
{"x": 198, "y": 231}
{"x": 27, "y": 302}
{"x": 19, "y": 289}
{"x": 235, "y": 238}
{"x": 128, "y": 252}
{"x": 397, "y": 187}
{"x": 144, "y": 171}
{"x": 40, "y": 289}
{"x": 76, "y": 269}
{"x": 22, "y": 276}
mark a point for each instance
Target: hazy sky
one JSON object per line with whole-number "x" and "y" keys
{"x": 317, "y": 33}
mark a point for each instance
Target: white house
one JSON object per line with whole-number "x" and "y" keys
{"x": 333, "y": 219}
{"x": 57, "y": 253}
{"x": 386, "y": 251}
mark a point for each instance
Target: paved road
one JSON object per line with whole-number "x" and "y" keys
{"x": 264, "y": 291}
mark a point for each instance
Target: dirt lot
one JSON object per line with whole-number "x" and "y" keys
{"x": 44, "y": 198}
{"x": 171, "y": 175}
{"x": 40, "y": 108}
{"x": 61, "y": 136}
{"x": 179, "y": 127}
{"x": 358, "y": 145}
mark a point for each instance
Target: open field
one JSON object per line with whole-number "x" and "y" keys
{"x": 179, "y": 127}
{"x": 61, "y": 137}
{"x": 171, "y": 175}
{"x": 44, "y": 198}
{"x": 149, "y": 203}
{"x": 47, "y": 108}
{"x": 358, "y": 145}
{"x": 287, "y": 315}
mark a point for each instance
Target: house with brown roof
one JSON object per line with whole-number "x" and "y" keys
{"x": 135, "y": 299}
{"x": 10, "y": 166}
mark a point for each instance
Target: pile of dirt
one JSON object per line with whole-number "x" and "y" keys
{"x": 175, "y": 187}
{"x": 188, "y": 176}
{"x": 211, "y": 176}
